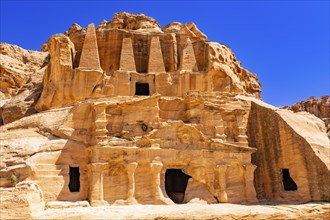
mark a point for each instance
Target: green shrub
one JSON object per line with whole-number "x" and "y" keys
{"x": 46, "y": 205}
{"x": 144, "y": 127}
{"x": 14, "y": 179}
{"x": 131, "y": 139}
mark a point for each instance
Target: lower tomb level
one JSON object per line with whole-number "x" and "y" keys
{"x": 129, "y": 175}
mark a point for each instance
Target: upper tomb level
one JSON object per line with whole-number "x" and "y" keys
{"x": 132, "y": 53}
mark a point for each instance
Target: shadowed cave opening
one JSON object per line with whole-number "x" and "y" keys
{"x": 288, "y": 182}
{"x": 74, "y": 184}
{"x": 176, "y": 184}
{"x": 141, "y": 89}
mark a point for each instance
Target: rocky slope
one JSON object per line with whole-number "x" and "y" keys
{"x": 318, "y": 107}
{"x": 16, "y": 66}
{"x": 20, "y": 81}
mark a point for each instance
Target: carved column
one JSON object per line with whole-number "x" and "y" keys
{"x": 250, "y": 192}
{"x": 241, "y": 124}
{"x": 96, "y": 171}
{"x": 100, "y": 123}
{"x": 220, "y": 130}
{"x": 242, "y": 137}
{"x": 221, "y": 170}
{"x": 186, "y": 82}
{"x": 131, "y": 167}
{"x": 156, "y": 167}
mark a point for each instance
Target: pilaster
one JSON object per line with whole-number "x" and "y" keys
{"x": 250, "y": 192}
{"x": 220, "y": 186}
{"x": 100, "y": 123}
{"x": 96, "y": 171}
{"x": 156, "y": 167}
{"x": 131, "y": 167}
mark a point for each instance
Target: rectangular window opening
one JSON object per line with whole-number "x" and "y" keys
{"x": 74, "y": 184}
{"x": 142, "y": 89}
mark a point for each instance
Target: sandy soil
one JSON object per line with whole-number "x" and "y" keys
{"x": 193, "y": 211}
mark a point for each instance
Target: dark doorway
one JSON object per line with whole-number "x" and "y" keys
{"x": 74, "y": 184}
{"x": 141, "y": 89}
{"x": 288, "y": 182}
{"x": 176, "y": 184}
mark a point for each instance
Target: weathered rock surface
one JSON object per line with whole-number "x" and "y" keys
{"x": 138, "y": 22}
{"x": 293, "y": 141}
{"x": 22, "y": 139}
{"x": 318, "y": 107}
{"x": 16, "y": 66}
{"x": 21, "y": 202}
{"x": 134, "y": 114}
{"x": 20, "y": 81}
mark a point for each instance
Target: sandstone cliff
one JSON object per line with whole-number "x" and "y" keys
{"x": 20, "y": 81}
{"x": 296, "y": 142}
{"x": 318, "y": 107}
{"x": 132, "y": 113}
{"x": 16, "y": 66}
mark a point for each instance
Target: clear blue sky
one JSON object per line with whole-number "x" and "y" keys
{"x": 285, "y": 42}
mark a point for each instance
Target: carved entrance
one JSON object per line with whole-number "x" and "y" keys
{"x": 74, "y": 184}
{"x": 288, "y": 183}
{"x": 176, "y": 184}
